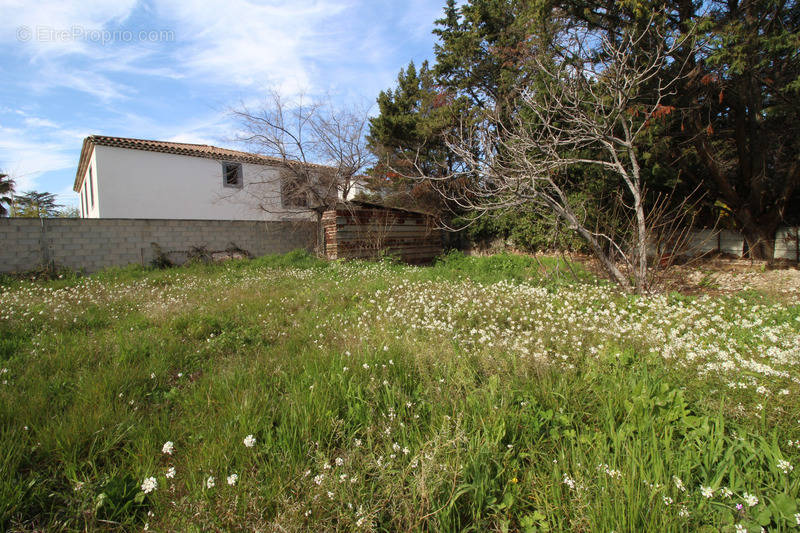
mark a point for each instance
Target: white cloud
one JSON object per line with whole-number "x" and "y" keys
{"x": 245, "y": 44}
{"x": 222, "y": 51}
{"x": 419, "y": 16}
{"x": 44, "y": 17}
{"x": 294, "y": 46}
{"x": 77, "y": 45}
{"x": 26, "y": 157}
{"x": 38, "y": 122}
{"x": 87, "y": 81}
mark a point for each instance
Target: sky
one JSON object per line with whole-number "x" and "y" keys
{"x": 173, "y": 69}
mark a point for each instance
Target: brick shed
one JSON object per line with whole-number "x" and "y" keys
{"x": 363, "y": 230}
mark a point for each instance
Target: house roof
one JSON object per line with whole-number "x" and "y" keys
{"x": 195, "y": 150}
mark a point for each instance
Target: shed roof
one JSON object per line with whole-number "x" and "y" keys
{"x": 373, "y": 205}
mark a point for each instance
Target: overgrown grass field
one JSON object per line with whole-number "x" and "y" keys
{"x": 482, "y": 394}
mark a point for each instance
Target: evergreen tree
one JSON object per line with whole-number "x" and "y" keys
{"x": 407, "y": 137}
{"x": 731, "y": 129}
{"x": 744, "y": 115}
{"x": 33, "y": 204}
{"x": 734, "y": 128}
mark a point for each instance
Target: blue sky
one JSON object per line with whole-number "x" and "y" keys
{"x": 172, "y": 69}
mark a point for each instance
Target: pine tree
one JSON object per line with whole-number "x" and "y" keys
{"x": 33, "y": 204}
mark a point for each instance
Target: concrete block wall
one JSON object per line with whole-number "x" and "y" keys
{"x": 786, "y": 244}
{"x": 93, "y": 244}
{"x": 732, "y": 242}
{"x": 702, "y": 241}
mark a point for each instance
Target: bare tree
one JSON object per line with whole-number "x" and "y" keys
{"x": 584, "y": 109}
{"x": 320, "y": 150}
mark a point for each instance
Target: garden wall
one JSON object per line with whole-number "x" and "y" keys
{"x": 93, "y": 244}
{"x": 731, "y": 242}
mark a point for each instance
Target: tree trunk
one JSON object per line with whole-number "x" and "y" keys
{"x": 606, "y": 262}
{"x": 758, "y": 232}
{"x": 759, "y": 241}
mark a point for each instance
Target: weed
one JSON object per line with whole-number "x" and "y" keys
{"x": 481, "y": 393}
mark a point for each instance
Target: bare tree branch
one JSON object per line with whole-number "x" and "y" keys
{"x": 320, "y": 150}
{"x": 584, "y": 109}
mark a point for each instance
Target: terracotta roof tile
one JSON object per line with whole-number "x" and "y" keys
{"x": 195, "y": 150}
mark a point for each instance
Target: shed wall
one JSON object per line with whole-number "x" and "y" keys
{"x": 368, "y": 232}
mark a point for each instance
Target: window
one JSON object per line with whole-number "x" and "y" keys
{"x": 232, "y": 175}
{"x": 91, "y": 186}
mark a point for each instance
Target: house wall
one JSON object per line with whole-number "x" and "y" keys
{"x": 94, "y": 244}
{"x": 143, "y": 184}
{"x": 91, "y": 206}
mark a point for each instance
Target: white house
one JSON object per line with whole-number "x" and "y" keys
{"x": 135, "y": 178}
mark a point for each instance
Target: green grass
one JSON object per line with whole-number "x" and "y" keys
{"x": 498, "y": 393}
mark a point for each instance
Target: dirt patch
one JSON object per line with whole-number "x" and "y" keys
{"x": 785, "y": 281}
{"x": 720, "y": 275}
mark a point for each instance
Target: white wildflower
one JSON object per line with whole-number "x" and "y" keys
{"x": 170, "y": 472}
{"x": 168, "y": 447}
{"x": 707, "y": 492}
{"x": 149, "y": 485}
{"x": 750, "y": 499}
{"x": 249, "y": 441}
{"x": 210, "y": 482}
{"x": 784, "y": 465}
{"x": 232, "y": 479}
